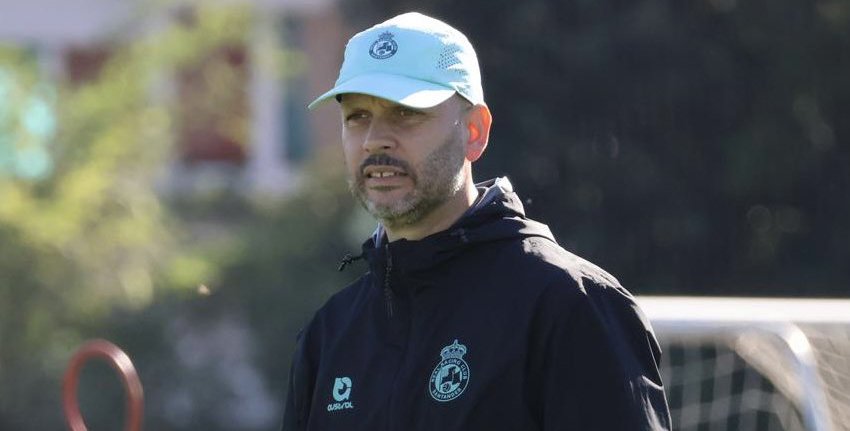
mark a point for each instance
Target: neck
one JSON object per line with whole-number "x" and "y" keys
{"x": 438, "y": 220}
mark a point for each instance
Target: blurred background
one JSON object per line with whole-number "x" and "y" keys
{"x": 162, "y": 184}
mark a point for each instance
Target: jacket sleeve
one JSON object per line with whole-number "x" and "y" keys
{"x": 600, "y": 365}
{"x": 300, "y": 392}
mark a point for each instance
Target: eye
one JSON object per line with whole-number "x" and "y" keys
{"x": 356, "y": 117}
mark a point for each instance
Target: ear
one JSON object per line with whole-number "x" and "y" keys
{"x": 478, "y": 121}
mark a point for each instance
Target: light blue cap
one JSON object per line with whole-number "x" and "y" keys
{"x": 411, "y": 59}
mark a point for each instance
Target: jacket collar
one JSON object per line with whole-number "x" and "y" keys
{"x": 497, "y": 215}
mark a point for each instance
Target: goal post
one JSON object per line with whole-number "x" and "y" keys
{"x": 754, "y": 364}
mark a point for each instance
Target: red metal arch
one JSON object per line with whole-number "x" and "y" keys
{"x": 121, "y": 363}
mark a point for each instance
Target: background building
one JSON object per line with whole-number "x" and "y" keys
{"x": 72, "y": 40}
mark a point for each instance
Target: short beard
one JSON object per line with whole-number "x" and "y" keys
{"x": 435, "y": 181}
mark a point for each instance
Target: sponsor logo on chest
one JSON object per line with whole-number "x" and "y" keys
{"x": 341, "y": 394}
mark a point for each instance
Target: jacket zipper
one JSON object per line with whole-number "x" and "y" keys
{"x": 388, "y": 297}
{"x": 388, "y": 293}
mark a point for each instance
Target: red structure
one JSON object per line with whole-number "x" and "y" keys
{"x": 121, "y": 363}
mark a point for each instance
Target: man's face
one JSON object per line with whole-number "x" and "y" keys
{"x": 402, "y": 162}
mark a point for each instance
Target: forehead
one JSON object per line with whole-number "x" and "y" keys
{"x": 365, "y": 99}
{"x": 360, "y": 100}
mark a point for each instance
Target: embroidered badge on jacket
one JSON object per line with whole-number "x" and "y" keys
{"x": 451, "y": 375}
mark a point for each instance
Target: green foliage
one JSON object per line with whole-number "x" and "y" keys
{"x": 84, "y": 232}
{"x": 89, "y": 247}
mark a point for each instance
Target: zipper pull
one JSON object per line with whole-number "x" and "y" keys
{"x": 347, "y": 259}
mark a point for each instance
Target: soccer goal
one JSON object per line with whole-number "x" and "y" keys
{"x": 752, "y": 364}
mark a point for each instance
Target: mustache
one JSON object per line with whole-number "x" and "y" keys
{"x": 384, "y": 160}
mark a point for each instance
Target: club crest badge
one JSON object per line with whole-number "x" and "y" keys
{"x": 451, "y": 375}
{"x": 384, "y": 47}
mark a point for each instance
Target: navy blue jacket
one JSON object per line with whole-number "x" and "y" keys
{"x": 489, "y": 325}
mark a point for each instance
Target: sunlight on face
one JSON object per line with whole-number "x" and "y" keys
{"x": 403, "y": 163}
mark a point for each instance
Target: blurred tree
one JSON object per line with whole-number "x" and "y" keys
{"x": 82, "y": 229}
{"x": 692, "y": 147}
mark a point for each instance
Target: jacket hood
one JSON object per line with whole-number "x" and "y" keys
{"x": 498, "y": 215}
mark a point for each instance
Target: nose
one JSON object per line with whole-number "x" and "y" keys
{"x": 380, "y": 137}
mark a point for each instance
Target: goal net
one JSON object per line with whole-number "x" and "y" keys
{"x": 747, "y": 364}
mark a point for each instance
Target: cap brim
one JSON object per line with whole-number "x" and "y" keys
{"x": 397, "y": 88}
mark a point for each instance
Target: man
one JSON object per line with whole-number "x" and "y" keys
{"x": 471, "y": 316}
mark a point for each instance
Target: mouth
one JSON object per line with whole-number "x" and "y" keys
{"x": 375, "y": 172}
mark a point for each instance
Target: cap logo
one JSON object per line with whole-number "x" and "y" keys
{"x": 384, "y": 47}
